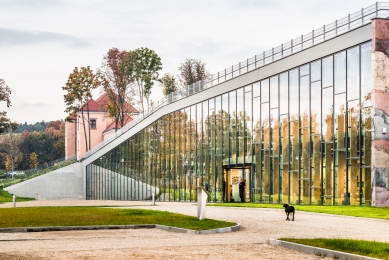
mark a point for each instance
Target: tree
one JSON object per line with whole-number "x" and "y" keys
{"x": 116, "y": 75}
{"x": 33, "y": 160}
{"x": 8, "y": 164}
{"x": 192, "y": 71}
{"x": 5, "y": 95}
{"x": 79, "y": 88}
{"x": 146, "y": 70}
{"x": 168, "y": 84}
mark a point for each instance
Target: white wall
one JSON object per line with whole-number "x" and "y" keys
{"x": 64, "y": 183}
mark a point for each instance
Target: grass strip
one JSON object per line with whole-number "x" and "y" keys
{"x": 354, "y": 211}
{"x": 86, "y": 216}
{"x": 6, "y": 197}
{"x": 360, "y": 247}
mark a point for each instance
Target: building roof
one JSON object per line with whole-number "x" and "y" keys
{"x": 103, "y": 102}
{"x": 92, "y": 105}
{"x": 127, "y": 119}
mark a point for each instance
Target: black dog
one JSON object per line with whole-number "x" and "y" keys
{"x": 288, "y": 210}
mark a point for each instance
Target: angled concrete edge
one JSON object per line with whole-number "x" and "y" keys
{"x": 210, "y": 231}
{"x": 104, "y": 227}
{"x": 318, "y": 251}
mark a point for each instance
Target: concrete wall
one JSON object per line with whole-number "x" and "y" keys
{"x": 380, "y": 103}
{"x": 64, "y": 183}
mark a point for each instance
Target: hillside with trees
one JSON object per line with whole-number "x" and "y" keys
{"x": 43, "y": 145}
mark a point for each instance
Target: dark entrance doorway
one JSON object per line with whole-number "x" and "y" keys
{"x": 231, "y": 183}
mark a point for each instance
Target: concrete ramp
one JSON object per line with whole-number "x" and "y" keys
{"x": 63, "y": 183}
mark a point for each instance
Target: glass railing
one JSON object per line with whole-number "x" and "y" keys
{"x": 339, "y": 27}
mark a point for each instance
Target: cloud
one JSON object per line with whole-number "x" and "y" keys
{"x": 24, "y": 37}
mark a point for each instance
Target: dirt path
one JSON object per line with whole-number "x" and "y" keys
{"x": 249, "y": 243}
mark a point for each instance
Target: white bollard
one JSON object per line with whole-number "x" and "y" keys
{"x": 153, "y": 199}
{"x": 202, "y": 196}
{"x": 14, "y": 200}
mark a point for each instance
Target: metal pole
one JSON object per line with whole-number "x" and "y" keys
{"x": 14, "y": 200}
{"x": 313, "y": 36}
{"x": 376, "y": 9}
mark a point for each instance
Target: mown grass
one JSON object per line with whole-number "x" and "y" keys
{"x": 360, "y": 247}
{"x": 354, "y": 211}
{"x": 6, "y": 197}
{"x": 86, "y": 216}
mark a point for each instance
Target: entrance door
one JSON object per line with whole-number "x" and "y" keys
{"x": 232, "y": 184}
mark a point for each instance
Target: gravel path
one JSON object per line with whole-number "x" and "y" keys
{"x": 258, "y": 225}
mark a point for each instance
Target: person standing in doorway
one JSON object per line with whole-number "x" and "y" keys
{"x": 242, "y": 185}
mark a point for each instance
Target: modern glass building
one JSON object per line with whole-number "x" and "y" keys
{"x": 297, "y": 123}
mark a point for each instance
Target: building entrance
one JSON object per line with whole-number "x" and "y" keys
{"x": 231, "y": 184}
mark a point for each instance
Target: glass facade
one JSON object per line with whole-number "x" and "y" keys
{"x": 300, "y": 137}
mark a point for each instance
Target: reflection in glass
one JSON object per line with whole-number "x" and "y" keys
{"x": 302, "y": 136}
{"x": 340, "y": 72}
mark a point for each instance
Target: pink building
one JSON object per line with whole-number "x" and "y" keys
{"x": 100, "y": 124}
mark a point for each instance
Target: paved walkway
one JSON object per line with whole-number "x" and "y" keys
{"x": 258, "y": 225}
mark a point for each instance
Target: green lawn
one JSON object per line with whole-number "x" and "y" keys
{"x": 6, "y": 197}
{"x": 84, "y": 216}
{"x": 355, "y": 211}
{"x": 360, "y": 247}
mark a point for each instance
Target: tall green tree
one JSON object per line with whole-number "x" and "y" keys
{"x": 168, "y": 84}
{"x": 192, "y": 71}
{"x": 116, "y": 76}
{"x": 146, "y": 71}
{"x": 79, "y": 88}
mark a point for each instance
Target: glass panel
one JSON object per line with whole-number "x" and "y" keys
{"x": 304, "y": 70}
{"x": 257, "y": 148}
{"x": 340, "y": 72}
{"x": 316, "y": 142}
{"x": 274, "y": 92}
{"x": 220, "y": 188}
{"x": 265, "y": 90}
{"x": 293, "y": 94}
{"x": 353, "y": 152}
{"x": 225, "y": 129}
{"x": 341, "y": 197}
{"x": 265, "y": 154}
{"x": 366, "y": 77}
{"x": 365, "y": 179}
{"x": 233, "y": 127}
{"x": 240, "y": 125}
{"x": 256, "y": 89}
{"x": 274, "y": 156}
{"x": 283, "y": 93}
{"x": 284, "y": 158}
{"x": 315, "y": 71}
{"x": 304, "y": 141}
{"x": 353, "y": 73}
{"x": 248, "y": 128}
{"x": 328, "y": 71}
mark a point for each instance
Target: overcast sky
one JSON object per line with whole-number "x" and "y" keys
{"x": 41, "y": 41}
